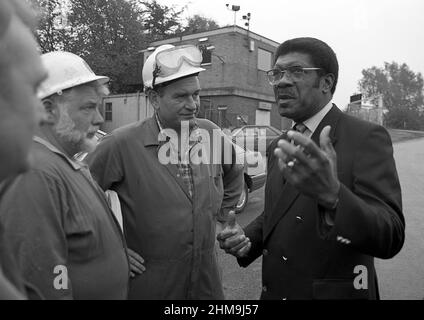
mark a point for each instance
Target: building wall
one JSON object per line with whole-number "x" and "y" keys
{"x": 238, "y": 67}
{"x": 242, "y": 107}
{"x": 236, "y": 106}
{"x": 126, "y": 109}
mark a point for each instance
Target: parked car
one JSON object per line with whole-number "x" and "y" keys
{"x": 254, "y": 174}
{"x": 255, "y": 137}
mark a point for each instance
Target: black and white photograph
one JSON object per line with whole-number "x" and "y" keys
{"x": 211, "y": 155}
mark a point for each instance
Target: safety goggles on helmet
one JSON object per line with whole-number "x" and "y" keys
{"x": 169, "y": 61}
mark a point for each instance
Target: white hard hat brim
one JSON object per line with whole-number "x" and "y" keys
{"x": 42, "y": 94}
{"x": 184, "y": 71}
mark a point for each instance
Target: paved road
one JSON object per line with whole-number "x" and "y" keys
{"x": 400, "y": 278}
{"x": 403, "y": 276}
{"x": 243, "y": 283}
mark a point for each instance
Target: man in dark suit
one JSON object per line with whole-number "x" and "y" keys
{"x": 332, "y": 197}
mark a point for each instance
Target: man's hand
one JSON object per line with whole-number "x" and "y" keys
{"x": 311, "y": 169}
{"x": 136, "y": 263}
{"x": 232, "y": 238}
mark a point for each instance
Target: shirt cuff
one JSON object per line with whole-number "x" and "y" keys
{"x": 329, "y": 214}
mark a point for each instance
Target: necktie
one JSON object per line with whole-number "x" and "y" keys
{"x": 300, "y": 127}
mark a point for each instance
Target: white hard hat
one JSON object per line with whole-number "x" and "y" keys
{"x": 185, "y": 69}
{"x": 65, "y": 70}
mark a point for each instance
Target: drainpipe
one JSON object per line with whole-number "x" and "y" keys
{"x": 138, "y": 105}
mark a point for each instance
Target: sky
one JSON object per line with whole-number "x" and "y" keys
{"x": 363, "y": 33}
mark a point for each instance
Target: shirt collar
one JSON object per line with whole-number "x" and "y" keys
{"x": 164, "y": 137}
{"x": 158, "y": 122}
{"x": 162, "y": 133}
{"x": 313, "y": 122}
{"x": 73, "y": 163}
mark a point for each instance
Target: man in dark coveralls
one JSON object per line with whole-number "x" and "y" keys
{"x": 56, "y": 218}
{"x": 170, "y": 209}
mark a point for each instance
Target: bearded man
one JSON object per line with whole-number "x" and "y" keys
{"x": 57, "y": 220}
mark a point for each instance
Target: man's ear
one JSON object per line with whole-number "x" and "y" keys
{"x": 328, "y": 83}
{"x": 154, "y": 99}
{"x": 51, "y": 112}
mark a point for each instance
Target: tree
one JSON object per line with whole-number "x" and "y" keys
{"x": 402, "y": 91}
{"x": 52, "y": 29}
{"x": 198, "y": 23}
{"x": 108, "y": 34}
{"x": 161, "y": 21}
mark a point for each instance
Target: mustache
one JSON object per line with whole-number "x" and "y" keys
{"x": 93, "y": 130}
{"x": 286, "y": 94}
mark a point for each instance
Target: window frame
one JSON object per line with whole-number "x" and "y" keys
{"x": 261, "y": 67}
{"x": 108, "y": 113}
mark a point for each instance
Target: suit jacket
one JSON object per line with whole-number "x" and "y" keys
{"x": 303, "y": 257}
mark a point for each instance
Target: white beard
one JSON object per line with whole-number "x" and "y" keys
{"x": 89, "y": 144}
{"x": 77, "y": 140}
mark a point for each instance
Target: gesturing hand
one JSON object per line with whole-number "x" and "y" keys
{"x": 232, "y": 238}
{"x": 311, "y": 169}
{"x": 136, "y": 263}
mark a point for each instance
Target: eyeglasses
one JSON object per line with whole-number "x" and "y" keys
{"x": 294, "y": 73}
{"x": 169, "y": 61}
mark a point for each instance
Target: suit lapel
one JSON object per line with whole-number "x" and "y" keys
{"x": 330, "y": 119}
{"x": 289, "y": 194}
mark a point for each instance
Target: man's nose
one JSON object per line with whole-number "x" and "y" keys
{"x": 98, "y": 119}
{"x": 285, "y": 81}
{"x": 191, "y": 103}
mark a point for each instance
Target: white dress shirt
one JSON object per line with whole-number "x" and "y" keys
{"x": 313, "y": 122}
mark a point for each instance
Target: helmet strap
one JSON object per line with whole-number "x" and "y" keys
{"x": 156, "y": 73}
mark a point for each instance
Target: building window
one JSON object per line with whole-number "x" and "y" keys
{"x": 207, "y": 54}
{"x": 108, "y": 111}
{"x": 264, "y": 60}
